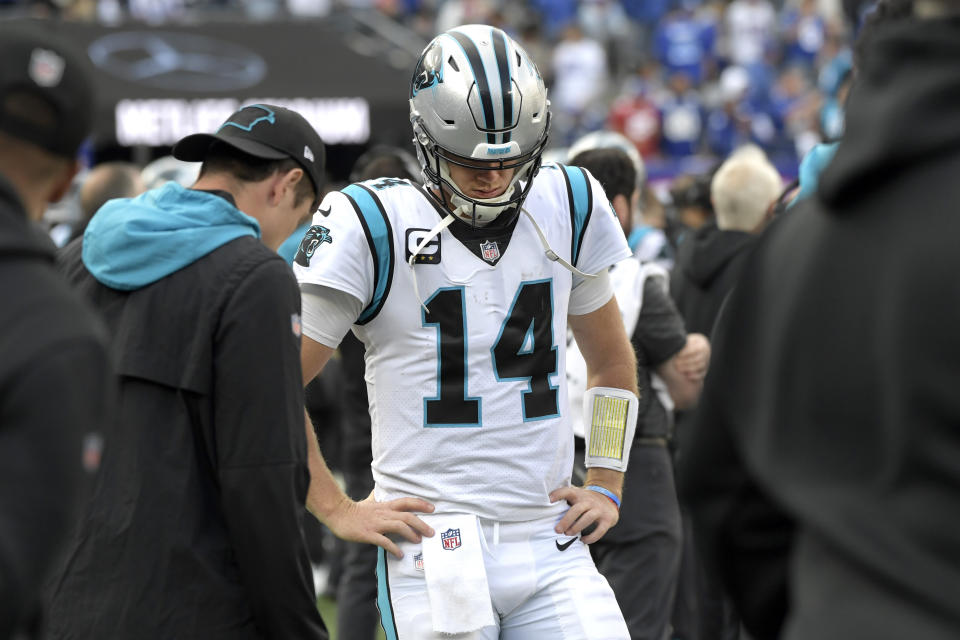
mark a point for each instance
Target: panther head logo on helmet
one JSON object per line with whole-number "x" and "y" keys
{"x": 429, "y": 71}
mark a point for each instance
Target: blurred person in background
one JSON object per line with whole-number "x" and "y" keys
{"x": 105, "y": 182}
{"x": 792, "y": 108}
{"x": 532, "y": 38}
{"x": 55, "y": 380}
{"x": 555, "y": 15}
{"x": 640, "y": 557}
{"x": 167, "y": 168}
{"x": 690, "y": 205}
{"x": 749, "y": 31}
{"x": 579, "y": 82}
{"x": 637, "y": 118}
{"x": 682, "y": 117}
{"x": 728, "y": 121}
{"x": 833, "y": 113}
{"x": 642, "y": 215}
{"x": 742, "y": 192}
{"x": 804, "y": 31}
{"x": 646, "y": 15}
{"x": 708, "y": 263}
{"x": 823, "y": 468}
{"x": 194, "y": 527}
{"x": 684, "y": 44}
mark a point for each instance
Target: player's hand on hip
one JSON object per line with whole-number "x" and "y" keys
{"x": 589, "y": 510}
{"x": 371, "y": 521}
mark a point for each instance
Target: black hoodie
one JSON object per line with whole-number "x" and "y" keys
{"x": 54, "y": 391}
{"x": 707, "y": 267}
{"x": 194, "y": 529}
{"x": 833, "y": 387}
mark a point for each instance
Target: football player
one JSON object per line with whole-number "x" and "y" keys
{"x": 462, "y": 291}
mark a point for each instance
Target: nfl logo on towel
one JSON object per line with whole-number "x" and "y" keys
{"x": 418, "y": 562}
{"x": 490, "y": 251}
{"x": 450, "y": 539}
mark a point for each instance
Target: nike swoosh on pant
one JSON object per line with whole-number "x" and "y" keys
{"x": 563, "y": 547}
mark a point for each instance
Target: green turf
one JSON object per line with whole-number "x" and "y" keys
{"x": 328, "y": 610}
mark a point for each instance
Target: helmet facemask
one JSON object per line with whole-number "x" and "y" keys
{"x": 478, "y": 212}
{"x": 477, "y": 101}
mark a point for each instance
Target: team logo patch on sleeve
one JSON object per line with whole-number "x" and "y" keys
{"x": 450, "y": 539}
{"x": 430, "y": 254}
{"x": 312, "y": 239}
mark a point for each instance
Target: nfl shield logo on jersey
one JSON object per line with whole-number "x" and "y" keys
{"x": 418, "y": 562}
{"x": 450, "y": 539}
{"x": 490, "y": 251}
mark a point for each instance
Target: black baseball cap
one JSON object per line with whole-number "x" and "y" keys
{"x": 264, "y": 131}
{"x": 46, "y": 89}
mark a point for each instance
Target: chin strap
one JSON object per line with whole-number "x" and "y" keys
{"x": 550, "y": 253}
{"x": 448, "y": 220}
{"x": 489, "y": 208}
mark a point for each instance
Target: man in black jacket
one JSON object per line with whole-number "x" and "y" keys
{"x": 194, "y": 529}
{"x": 742, "y": 191}
{"x": 54, "y": 375}
{"x": 709, "y": 261}
{"x": 834, "y": 400}
{"x": 640, "y": 557}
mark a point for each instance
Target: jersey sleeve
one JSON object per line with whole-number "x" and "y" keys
{"x": 328, "y": 313}
{"x": 599, "y": 240}
{"x": 336, "y": 250}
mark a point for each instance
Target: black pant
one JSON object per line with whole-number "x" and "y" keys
{"x": 640, "y": 556}
{"x": 357, "y": 615}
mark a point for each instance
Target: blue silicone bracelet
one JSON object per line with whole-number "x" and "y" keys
{"x": 605, "y": 492}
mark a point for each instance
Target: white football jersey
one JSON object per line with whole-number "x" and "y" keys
{"x": 467, "y": 385}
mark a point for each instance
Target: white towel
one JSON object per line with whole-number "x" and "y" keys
{"x": 456, "y": 577}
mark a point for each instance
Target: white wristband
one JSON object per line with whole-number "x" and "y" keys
{"x": 610, "y": 420}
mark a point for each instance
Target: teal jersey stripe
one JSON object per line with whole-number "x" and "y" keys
{"x": 379, "y": 234}
{"x": 383, "y": 597}
{"x": 581, "y": 203}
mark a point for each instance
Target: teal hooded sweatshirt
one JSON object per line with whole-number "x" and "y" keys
{"x": 811, "y": 167}
{"x": 133, "y": 242}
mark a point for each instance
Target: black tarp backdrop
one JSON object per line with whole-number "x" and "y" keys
{"x": 156, "y": 84}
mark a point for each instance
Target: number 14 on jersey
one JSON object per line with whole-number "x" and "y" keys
{"x": 524, "y": 350}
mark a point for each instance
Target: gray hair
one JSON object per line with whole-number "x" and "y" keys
{"x": 743, "y": 189}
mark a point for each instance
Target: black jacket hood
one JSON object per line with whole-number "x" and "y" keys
{"x": 922, "y": 59}
{"x": 709, "y": 252}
